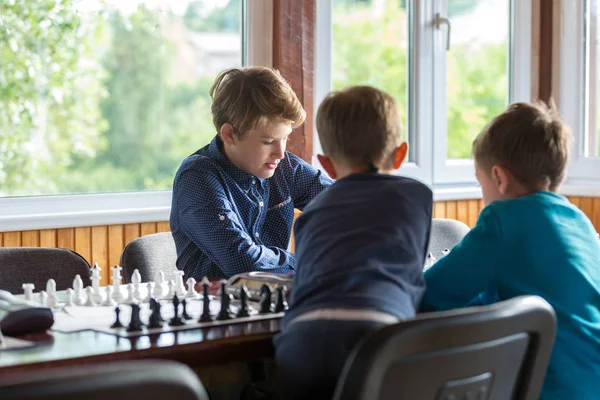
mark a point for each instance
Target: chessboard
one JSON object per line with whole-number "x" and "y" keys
{"x": 138, "y": 308}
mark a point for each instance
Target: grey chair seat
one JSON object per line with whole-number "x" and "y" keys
{"x": 495, "y": 352}
{"x": 147, "y": 379}
{"x": 36, "y": 265}
{"x": 150, "y": 254}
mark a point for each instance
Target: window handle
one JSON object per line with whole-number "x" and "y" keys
{"x": 438, "y": 22}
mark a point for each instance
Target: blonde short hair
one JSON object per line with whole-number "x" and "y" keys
{"x": 248, "y": 97}
{"x": 359, "y": 125}
{"x": 530, "y": 140}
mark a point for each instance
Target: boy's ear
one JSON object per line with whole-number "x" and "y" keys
{"x": 501, "y": 178}
{"x": 327, "y": 165}
{"x": 400, "y": 155}
{"x": 227, "y": 134}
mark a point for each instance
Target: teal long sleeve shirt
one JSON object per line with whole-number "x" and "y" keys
{"x": 542, "y": 245}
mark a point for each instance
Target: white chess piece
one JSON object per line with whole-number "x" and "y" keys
{"x": 130, "y": 297}
{"x": 116, "y": 281}
{"x": 149, "y": 290}
{"x": 69, "y": 295}
{"x": 429, "y": 261}
{"x": 51, "y": 300}
{"x": 78, "y": 290}
{"x": 171, "y": 290}
{"x": 42, "y": 297}
{"x": 136, "y": 280}
{"x": 158, "y": 285}
{"x": 89, "y": 291}
{"x": 95, "y": 278}
{"x": 191, "y": 291}
{"x": 28, "y": 290}
{"x": 109, "y": 300}
{"x": 179, "y": 288}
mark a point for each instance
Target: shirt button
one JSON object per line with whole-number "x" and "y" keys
{"x": 254, "y": 181}
{"x": 260, "y": 204}
{"x": 256, "y": 234}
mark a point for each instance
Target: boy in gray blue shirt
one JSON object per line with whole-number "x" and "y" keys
{"x": 360, "y": 244}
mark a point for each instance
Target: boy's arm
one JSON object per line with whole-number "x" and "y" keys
{"x": 308, "y": 182}
{"x": 469, "y": 269}
{"x": 210, "y": 221}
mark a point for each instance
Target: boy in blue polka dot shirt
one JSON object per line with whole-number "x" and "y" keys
{"x": 233, "y": 200}
{"x": 360, "y": 245}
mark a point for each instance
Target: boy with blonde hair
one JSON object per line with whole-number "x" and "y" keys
{"x": 528, "y": 240}
{"x": 360, "y": 245}
{"x": 234, "y": 199}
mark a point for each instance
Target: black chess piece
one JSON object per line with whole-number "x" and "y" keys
{"x": 117, "y": 323}
{"x": 205, "y": 316}
{"x": 176, "y": 320}
{"x": 243, "y": 311}
{"x": 281, "y": 304}
{"x": 184, "y": 313}
{"x": 226, "y": 298}
{"x": 155, "y": 320}
{"x": 265, "y": 305}
{"x": 135, "y": 324}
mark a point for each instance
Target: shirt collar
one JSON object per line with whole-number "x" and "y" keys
{"x": 243, "y": 179}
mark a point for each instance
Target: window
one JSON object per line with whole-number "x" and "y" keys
{"x": 451, "y": 65}
{"x": 579, "y": 89}
{"x": 100, "y": 101}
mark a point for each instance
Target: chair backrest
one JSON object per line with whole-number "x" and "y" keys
{"x": 445, "y": 233}
{"x": 495, "y": 352}
{"x": 141, "y": 379}
{"x": 36, "y": 265}
{"x": 150, "y": 254}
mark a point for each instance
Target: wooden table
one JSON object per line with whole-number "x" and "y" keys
{"x": 196, "y": 347}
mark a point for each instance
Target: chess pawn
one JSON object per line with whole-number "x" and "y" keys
{"x": 205, "y": 316}
{"x": 90, "y": 297}
{"x": 226, "y": 298}
{"x": 281, "y": 304}
{"x": 158, "y": 285}
{"x": 149, "y": 289}
{"x": 136, "y": 280}
{"x": 130, "y": 297}
{"x": 28, "y": 291}
{"x": 171, "y": 290}
{"x": 117, "y": 323}
{"x": 78, "y": 290}
{"x": 42, "y": 297}
{"x": 109, "y": 302}
{"x": 191, "y": 288}
{"x": 429, "y": 261}
{"x": 69, "y": 296}
{"x": 51, "y": 300}
{"x": 265, "y": 306}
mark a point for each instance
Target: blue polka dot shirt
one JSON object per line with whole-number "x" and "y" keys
{"x": 226, "y": 222}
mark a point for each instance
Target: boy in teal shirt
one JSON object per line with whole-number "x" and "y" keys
{"x": 528, "y": 240}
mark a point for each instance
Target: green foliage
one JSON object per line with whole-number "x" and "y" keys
{"x": 373, "y": 51}
{"x": 226, "y": 19}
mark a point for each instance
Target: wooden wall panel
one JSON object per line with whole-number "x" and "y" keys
{"x": 104, "y": 244}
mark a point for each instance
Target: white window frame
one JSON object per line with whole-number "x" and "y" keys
{"x": 50, "y": 212}
{"x": 428, "y": 70}
{"x": 572, "y": 79}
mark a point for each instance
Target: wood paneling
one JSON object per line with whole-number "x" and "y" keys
{"x": 104, "y": 244}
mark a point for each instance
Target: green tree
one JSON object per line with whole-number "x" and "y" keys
{"x": 199, "y": 18}
{"x": 49, "y": 112}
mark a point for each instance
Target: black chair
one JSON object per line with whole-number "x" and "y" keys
{"x": 445, "y": 233}
{"x": 496, "y": 352}
{"x": 147, "y": 379}
{"x": 150, "y": 254}
{"x": 36, "y": 265}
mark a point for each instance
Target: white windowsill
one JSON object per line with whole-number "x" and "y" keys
{"x": 52, "y": 212}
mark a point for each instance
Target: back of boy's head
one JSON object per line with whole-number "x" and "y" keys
{"x": 248, "y": 97}
{"x": 359, "y": 126}
{"x": 530, "y": 141}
